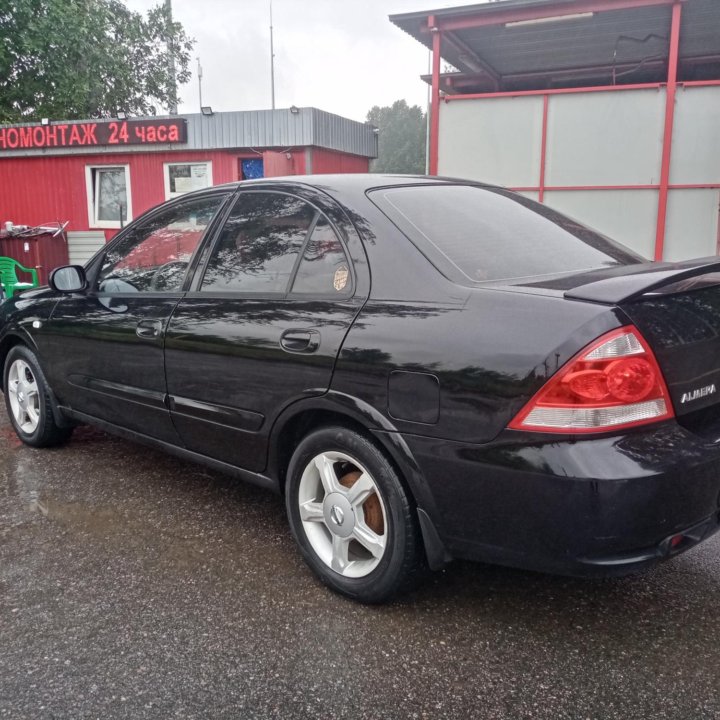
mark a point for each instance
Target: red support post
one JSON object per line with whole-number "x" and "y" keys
{"x": 435, "y": 98}
{"x": 668, "y": 134}
{"x": 543, "y": 148}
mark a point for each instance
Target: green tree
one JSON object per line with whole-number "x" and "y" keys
{"x": 87, "y": 58}
{"x": 401, "y": 138}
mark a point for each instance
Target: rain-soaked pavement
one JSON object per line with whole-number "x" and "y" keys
{"x": 134, "y": 585}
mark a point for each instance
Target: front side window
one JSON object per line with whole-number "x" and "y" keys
{"x": 109, "y": 203}
{"x": 259, "y": 244}
{"x": 181, "y": 178}
{"x": 156, "y": 255}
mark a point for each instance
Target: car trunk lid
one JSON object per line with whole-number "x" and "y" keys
{"x": 676, "y": 306}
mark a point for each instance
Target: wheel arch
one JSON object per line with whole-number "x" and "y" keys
{"x": 8, "y": 341}
{"x": 17, "y": 337}
{"x": 304, "y": 416}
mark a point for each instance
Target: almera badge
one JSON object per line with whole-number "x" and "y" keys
{"x": 697, "y": 394}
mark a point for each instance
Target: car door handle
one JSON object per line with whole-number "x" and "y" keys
{"x": 149, "y": 329}
{"x": 300, "y": 341}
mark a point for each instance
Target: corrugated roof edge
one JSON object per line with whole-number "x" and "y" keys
{"x": 280, "y": 128}
{"x": 487, "y": 8}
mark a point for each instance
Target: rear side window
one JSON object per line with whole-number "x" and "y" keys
{"x": 324, "y": 269}
{"x": 259, "y": 244}
{"x": 481, "y": 234}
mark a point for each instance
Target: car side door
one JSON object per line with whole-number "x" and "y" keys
{"x": 106, "y": 344}
{"x": 264, "y": 322}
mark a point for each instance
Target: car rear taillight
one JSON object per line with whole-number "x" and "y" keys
{"x": 613, "y": 383}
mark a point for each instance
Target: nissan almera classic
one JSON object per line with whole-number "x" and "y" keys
{"x": 427, "y": 369}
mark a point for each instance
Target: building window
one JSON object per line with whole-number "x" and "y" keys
{"x": 109, "y": 197}
{"x": 181, "y": 178}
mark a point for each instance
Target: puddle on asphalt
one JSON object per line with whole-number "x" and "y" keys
{"x": 37, "y": 491}
{"x": 95, "y": 521}
{"x": 29, "y": 485}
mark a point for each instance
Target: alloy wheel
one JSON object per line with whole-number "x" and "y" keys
{"x": 24, "y": 396}
{"x": 343, "y": 514}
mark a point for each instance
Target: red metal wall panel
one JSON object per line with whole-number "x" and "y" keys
{"x": 37, "y": 190}
{"x": 277, "y": 164}
{"x": 299, "y": 161}
{"x": 43, "y": 252}
{"x": 329, "y": 161}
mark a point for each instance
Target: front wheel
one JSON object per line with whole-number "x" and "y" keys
{"x": 351, "y": 516}
{"x": 27, "y": 399}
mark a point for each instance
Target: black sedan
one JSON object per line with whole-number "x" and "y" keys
{"x": 426, "y": 368}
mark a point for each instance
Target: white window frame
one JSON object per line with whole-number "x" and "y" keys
{"x": 90, "y": 186}
{"x": 166, "y": 175}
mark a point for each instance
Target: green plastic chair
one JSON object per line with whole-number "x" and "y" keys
{"x": 9, "y": 279}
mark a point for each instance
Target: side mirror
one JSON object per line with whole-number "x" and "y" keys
{"x": 68, "y": 279}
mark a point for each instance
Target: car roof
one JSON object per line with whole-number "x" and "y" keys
{"x": 353, "y": 182}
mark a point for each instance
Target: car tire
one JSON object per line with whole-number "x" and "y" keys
{"x": 28, "y": 402}
{"x": 351, "y": 517}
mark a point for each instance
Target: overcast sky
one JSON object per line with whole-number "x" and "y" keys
{"x": 343, "y": 56}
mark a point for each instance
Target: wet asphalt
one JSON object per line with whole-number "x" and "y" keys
{"x": 135, "y": 585}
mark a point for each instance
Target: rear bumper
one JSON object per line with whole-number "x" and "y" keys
{"x": 598, "y": 507}
{"x": 642, "y": 558}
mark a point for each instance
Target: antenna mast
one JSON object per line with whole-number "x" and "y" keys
{"x": 272, "y": 61}
{"x": 199, "y": 75}
{"x": 173, "y": 105}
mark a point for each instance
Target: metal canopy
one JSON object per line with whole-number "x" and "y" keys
{"x": 539, "y": 44}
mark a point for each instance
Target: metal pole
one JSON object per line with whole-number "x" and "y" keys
{"x": 173, "y": 107}
{"x": 199, "y": 74}
{"x": 435, "y": 106}
{"x": 543, "y": 148}
{"x": 427, "y": 118}
{"x": 668, "y": 132}
{"x": 272, "y": 61}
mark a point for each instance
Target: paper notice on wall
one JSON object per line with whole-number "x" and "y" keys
{"x": 197, "y": 180}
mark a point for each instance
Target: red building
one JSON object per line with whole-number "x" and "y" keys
{"x": 100, "y": 174}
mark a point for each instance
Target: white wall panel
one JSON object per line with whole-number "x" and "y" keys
{"x": 83, "y": 245}
{"x": 605, "y": 138}
{"x": 696, "y": 137}
{"x": 494, "y": 140}
{"x": 692, "y": 224}
{"x": 627, "y": 216}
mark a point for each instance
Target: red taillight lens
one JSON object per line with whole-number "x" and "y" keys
{"x": 614, "y": 383}
{"x": 631, "y": 380}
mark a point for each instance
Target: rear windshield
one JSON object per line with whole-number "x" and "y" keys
{"x": 482, "y": 234}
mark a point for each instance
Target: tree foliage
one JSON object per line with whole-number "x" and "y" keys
{"x": 74, "y": 59}
{"x": 401, "y": 138}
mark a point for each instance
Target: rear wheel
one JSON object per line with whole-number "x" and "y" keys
{"x": 350, "y": 515}
{"x": 27, "y": 399}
